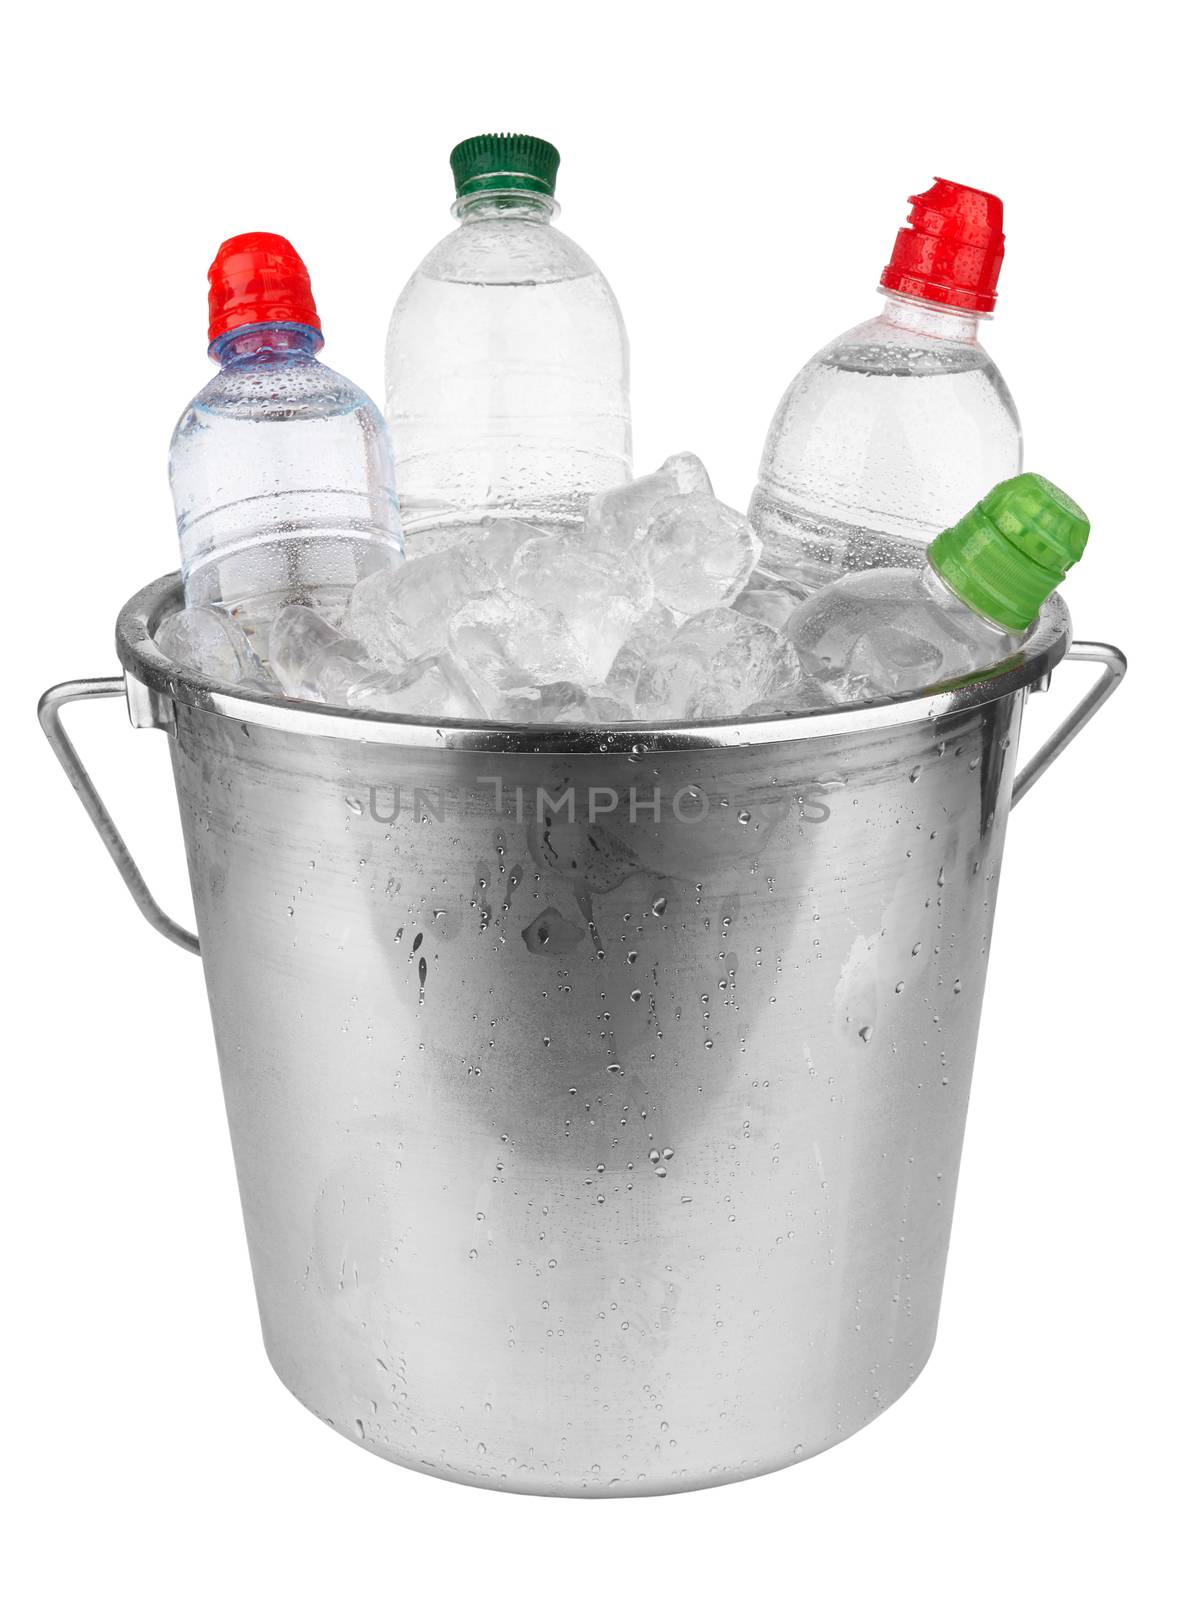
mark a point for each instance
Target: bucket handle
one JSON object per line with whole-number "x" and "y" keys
{"x": 49, "y": 713}
{"x": 1113, "y": 669}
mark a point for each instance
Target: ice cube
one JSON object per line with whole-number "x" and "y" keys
{"x": 498, "y": 539}
{"x": 700, "y": 552}
{"x": 770, "y": 602}
{"x": 505, "y": 642}
{"x": 433, "y": 686}
{"x": 688, "y": 472}
{"x": 646, "y": 638}
{"x": 791, "y": 696}
{"x": 618, "y": 519}
{"x": 604, "y": 708}
{"x": 207, "y": 640}
{"x": 717, "y": 663}
{"x": 600, "y": 595}
{"x": 550, "y": 702}
{"x": 403, "y": 614}
{"x": 312, "y": 659}
{"x": 563, "y": 702}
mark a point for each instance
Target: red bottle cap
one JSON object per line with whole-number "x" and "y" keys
{"x": 258, "y": 277}
{"x": 952, "y": 251}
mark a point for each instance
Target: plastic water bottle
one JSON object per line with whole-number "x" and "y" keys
{"x": 507, "y": 367}
{"x": 281, "y": 469}
{"x": 895, "y": 428}
{"x": 886, "y": 632}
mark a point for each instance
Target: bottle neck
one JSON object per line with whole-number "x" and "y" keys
{"x": 266, "y": 341}
{"x": 930, "y": 320}
{"x": 942, "y": 595}
{"x": 517, "y": 205}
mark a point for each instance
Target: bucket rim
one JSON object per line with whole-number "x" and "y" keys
{"x": 142, "y": 660}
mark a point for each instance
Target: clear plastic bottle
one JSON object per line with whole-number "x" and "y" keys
{"x": 507, "y": 365}
{"x": 895, "y": 428}
{"x": 281, "y": 469}
{"x": 881, "y": 632}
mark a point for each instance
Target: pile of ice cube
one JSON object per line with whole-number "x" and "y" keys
{"x": 652, "y": 611}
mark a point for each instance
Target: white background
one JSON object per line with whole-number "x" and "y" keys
{"x": 739, "y": 173}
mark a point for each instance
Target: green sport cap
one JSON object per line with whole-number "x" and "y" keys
{"x": 504, "y": 161}
{"x": 1005, "y": 556}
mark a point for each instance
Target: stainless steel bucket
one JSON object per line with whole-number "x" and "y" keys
{"x": 596, "y": 1097}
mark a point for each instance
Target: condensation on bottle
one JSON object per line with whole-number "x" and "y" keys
{"x": 898, "y": 426}
{"x": 507, "y": 364}
{"x": 281, "y": 469}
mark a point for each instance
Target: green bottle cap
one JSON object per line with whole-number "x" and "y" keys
{"x": 1005, "y": 556}
{"x": 504, "y": 161}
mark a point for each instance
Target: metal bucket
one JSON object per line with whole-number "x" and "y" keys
{"x": 596, "y": 1096}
